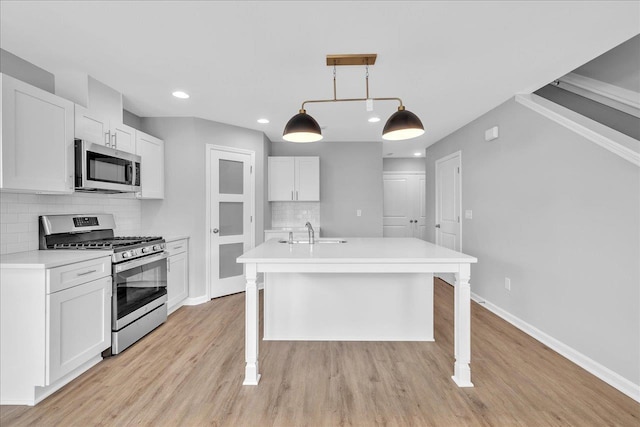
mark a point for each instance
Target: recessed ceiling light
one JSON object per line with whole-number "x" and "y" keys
{"x": 417, "y": 154}
{"x": 180, "y": 94}
{"x": 373, "y": 119}
{"x": 263, "y": 121}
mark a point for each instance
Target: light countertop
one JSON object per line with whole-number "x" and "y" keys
{"x": 356, "y": 250}
{"x": 49, "y": 259}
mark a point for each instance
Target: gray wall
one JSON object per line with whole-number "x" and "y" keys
{"x": 615, "y": 119}
{"x": 560, "y": 216}
{"x": 130, "y": 119}
{"x": 350, "y": 179}
{"x": 183, "y": 211}
{"x": 414, "y": 164}
{"x": 17, "y": 67}
{"x": 619, "y": 67}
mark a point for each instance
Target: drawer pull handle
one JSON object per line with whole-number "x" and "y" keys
{"x": 87, "y": 272}
{"x": 177, "y": 247}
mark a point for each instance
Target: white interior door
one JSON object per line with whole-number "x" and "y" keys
{"x": 231, "y": 212}
{"x": 403, "y": 205}
{"x": 448, "y": 202}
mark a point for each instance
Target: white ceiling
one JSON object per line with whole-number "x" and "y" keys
{"x": 449, "y": 61}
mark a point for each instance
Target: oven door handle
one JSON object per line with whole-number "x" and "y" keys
{"x": 140, "y": 261}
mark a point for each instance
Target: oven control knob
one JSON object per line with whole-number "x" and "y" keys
{"x": 156, "y": 247}
{"x": 145, "y": 250}
{"x": 126, "y": 255}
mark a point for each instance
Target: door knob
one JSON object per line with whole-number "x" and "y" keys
{"x": 215, "y": 231}
{"x": 437, "y": 225}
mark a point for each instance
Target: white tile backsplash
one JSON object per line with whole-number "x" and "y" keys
{"x": 294, "y": 214}
{"x": 19, "y": 215}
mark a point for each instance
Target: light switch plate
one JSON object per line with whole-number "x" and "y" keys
{"x": 359, "y": 212}
{"x": 468, "y": 214}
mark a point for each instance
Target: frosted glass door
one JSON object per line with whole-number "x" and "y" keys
{"x": 230, "y": 188}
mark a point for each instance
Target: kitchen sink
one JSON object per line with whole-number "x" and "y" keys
{"x": 318, "y": 241}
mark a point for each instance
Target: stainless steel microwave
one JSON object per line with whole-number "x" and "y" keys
{"x": 101, "y": 169}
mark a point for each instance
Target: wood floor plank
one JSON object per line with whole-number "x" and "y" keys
{"x": 189, "y": 372}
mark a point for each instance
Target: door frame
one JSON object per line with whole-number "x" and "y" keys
{"x": 208, "y": 149}
{"x": 437, "y": 204}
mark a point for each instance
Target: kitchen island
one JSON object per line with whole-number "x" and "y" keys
{"x": 373, "y": 289}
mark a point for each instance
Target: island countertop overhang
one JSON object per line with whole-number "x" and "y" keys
{"x": 355, "y": 251}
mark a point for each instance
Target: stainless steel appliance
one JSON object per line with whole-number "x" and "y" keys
{"x": 101, "y": 169}
{"x": 139, "y": 270}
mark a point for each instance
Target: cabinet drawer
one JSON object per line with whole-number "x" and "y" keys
{"x": 67, "y": 276}
{"x": 177, "y": 246}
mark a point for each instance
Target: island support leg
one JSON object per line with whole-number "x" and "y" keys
{"x": 251, "y": 327}
{"x": 462, "y": 327}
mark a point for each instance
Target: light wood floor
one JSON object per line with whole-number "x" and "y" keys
{"x": 189, "y": 372}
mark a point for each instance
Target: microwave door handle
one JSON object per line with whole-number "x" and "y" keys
{"x": 129, "y": 175}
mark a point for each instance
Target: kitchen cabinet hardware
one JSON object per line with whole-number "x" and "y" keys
{"x": 87, "y": 272}
{"x": 437, "y": 225}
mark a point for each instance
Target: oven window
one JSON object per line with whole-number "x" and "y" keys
{"x": 138, "y": 286}
{"x": 104, "y": 168}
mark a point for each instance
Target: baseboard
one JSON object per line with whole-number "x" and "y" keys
{"x": 605, "y": 374}
{"x": 196, "y": 300}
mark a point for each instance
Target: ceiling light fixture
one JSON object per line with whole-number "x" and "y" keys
{"x": 180, "y": 94}
{"x": 373, "y": 119}
{"x": 402, "y": 124}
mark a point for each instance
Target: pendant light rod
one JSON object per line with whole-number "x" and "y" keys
{"x": 313, "y": 101}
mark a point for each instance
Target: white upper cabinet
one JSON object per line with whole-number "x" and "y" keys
{"x": 294, "y": 179}
{"x": 281, "y": 178}
{"x": 37, "y": 139}
{"x": 151, "y": 149}
{"x": 94, "y": 127}
{"x": 307, "y": 171}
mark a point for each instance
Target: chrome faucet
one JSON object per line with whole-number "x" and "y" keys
{"x": 312, "y": 238}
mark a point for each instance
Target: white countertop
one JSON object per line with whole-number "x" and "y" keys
{"x": 356, "y": 250}
{"x": 49, "y": 259}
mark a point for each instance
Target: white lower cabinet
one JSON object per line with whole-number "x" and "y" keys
{"x": 79, "y": 326}
{"x": 54, "y": 325}
{"x": 177, "y": 273}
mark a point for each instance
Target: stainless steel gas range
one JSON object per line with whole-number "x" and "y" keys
{"x": 138, "y": 267}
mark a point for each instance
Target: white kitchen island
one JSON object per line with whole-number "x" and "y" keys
{"x": 367, "y": 289}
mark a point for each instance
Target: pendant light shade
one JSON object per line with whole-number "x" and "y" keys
{"x": 302, "y": 128}
{"x": 402, "y": 124}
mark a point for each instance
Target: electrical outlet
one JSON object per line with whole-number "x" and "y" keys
{"x": 358, "y": 212}
{"x": 507, "y": 283}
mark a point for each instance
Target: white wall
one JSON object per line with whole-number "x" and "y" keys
{"x": 183, "y": 210}
{"x": 560, "y": 216}
{"x": 350, "y": 179}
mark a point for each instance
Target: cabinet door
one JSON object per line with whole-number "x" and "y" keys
{"x": 177, "y": 280}
{"x": 123, "y": 137}
{"x": 307, "y": 178}
{"x": 79, "y": 326}
{"x": 37, "y": 139}
{"x": 151, "y": 149}
{"x": 281, "y": 178}
{"x": 92, "y": 128}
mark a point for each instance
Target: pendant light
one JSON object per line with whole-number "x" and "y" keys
{"x": 402, "y": 124}
{"x": 302, "y": 128}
